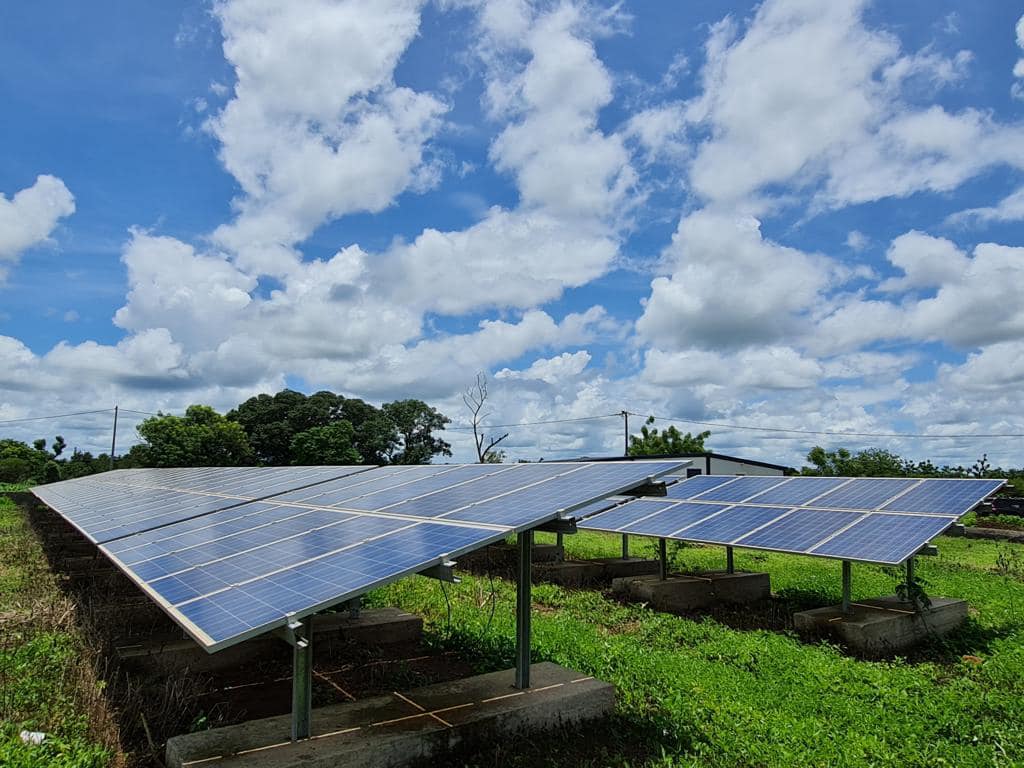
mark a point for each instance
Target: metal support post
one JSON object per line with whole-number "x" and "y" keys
{"x": 625, "y": 546}
{"x": 302, "y": 678}
{"x": 846, "y": 585}
{"x": 911, "y": 592}
{"x": 662, "y": 560}
{"x": 523, "y": 609}
{"x": 559, "y": 540}
{"x": 730, "y": 567}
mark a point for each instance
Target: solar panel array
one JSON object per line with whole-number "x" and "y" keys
{"x": 233, "y": 553}
{"x": 877, "y": 520}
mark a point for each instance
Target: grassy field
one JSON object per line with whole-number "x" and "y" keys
{"x": 735, "y": 688}
{"x": 46, "y": 680}
{"x": 13, "y": 487}
{"x": 725, "y": 691}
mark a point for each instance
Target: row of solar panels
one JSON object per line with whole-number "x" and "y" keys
{"x": 233, "y": 553}
{"x": 877, "y": 520}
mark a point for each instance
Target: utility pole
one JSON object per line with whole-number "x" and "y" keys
{"x": 113, "y": 439}
{"x": 625, "y": 433}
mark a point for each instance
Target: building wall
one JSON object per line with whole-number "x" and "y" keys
{"x": 729, "y": 467}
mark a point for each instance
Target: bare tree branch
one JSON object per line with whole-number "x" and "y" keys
{"x": 475, "y": 397}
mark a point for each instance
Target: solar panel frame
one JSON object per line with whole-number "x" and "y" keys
{"x": 225, "y": 563}
{"x": 890, "y": 494}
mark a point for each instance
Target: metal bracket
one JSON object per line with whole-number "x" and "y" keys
{"x": 928, "y": 550}
{"x": 650, "y": 488}
{"x": 956, "y": 529}
{"x": 442, "y": 572}
{"x": 560, "y": 525}
{"x": 291, "y": 634}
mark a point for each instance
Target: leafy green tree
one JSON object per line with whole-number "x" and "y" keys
{"x": 200, "y": 438}
{"x": 670, "y": 442}
{"x": 416, "y": 423}
{"x": 870, "y": 462}
{"x": 58, "y": 446}
{"x": 330, "y": 444}
{"x": 273, "y": 421}
{"x": 23, "y": 463}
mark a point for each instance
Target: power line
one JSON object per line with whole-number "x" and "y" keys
{"x": 829, "y": 433}
{"x": 56, "y": 416}
{"x": 534, "y": 423}
{"x": 141, "y": 413}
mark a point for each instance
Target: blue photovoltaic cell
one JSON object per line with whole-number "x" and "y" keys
{"x": 394, "y": 495}
{"x": 681, "y": 516}
{"x": 798, "y": 490}
{"x": 884, "y": 538}
{"x": 627, "y": 514}
{"x": 111, "y": 505}
{"x": 730, "y": 525}
{"x": 586, "y": 483}
{"x": 944, "y": 497}
{"x": 495, "y": 483}
{"x": 687, "y": 489}
{"x": 337, "y": 492}
{"x": 799, "y": 530}
{"x": 864, "y": 493}
{"x": 740, "y": 489}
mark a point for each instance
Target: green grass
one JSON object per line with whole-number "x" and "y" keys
{"x": 13, "y": 487}
{"x": 45, "y": 684}
{"x": 704, "y": 691}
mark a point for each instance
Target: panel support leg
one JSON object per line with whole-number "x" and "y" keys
{"x": 523, "y": 609}
{"x": 662, "y": 560}
{"x": 847, "y": 577}
{"x": 302, "y": 679}
{"x": 911, "y": 592}
{"x": 730, "y": 567}
{"x": 560, "y": 544}
{"x": 625, "y": 546}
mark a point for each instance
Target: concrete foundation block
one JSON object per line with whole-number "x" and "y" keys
{"x": 682, "y": 594}
{"x": 569, "y": 573}
{"x": 619, "y": 567}
{"x": 739, "y": 587}
{"x": 393, "y": 730}
{"x": 883, "y": 625}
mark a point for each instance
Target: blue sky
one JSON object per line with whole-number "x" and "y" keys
{"x": 790, "y": 214}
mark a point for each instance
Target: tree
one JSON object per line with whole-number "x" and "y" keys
{"x": 416, "y": 423}
{"x": 475, "y": 397}
{"x": 200, "y": 438}
{"x": 870, "y": 462}
{"x": 671, "y": 442}
{"x": 58, "y": 446}
{"x": 331, "y": 444}
{"x": 273, "y": 421}
{"x": 23, "y": 463}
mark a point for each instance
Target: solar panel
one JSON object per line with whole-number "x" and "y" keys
{"x": 865, "y": 493}
{"x": 883, "y": 538}
{"x": 808, "y": 515}
{"x": 799, "y": 490}
{"x": 689, "y": 488}
{"x": 679, "y": 517}
{"x": 740, "y": 489}
{"x": 941, "y": 496}
{"x": 799, "y": 530}
{"x": 110, "y": 505}
{"x": 232, "y": 572}
{"x": 731, "y": 524}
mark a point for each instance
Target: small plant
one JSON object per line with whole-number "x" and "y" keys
{"x": 913, "y": 592}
